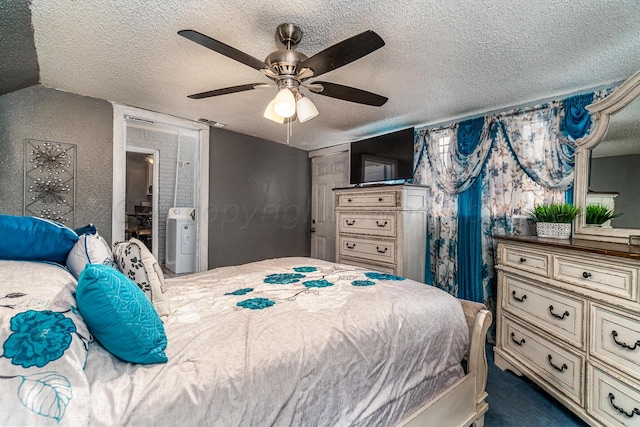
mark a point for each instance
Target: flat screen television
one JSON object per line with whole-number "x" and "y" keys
{"x": 382, "y": 158}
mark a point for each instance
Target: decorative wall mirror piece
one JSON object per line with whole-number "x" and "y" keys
{"x": 607, "y": 165}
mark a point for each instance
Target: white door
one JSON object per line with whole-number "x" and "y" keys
{"x": 328, "y": 172}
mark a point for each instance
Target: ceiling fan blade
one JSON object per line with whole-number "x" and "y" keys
{"x": 348, "y": 93}
{"x": 226, "y": 90}
{"x": 343, "y": 53}
{"x": 224, "y": 49}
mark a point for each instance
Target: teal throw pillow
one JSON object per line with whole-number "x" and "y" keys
{"x": 27, "y": 238}
{"x": 120, "y": 316}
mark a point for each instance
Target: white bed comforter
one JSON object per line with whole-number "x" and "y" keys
{"x": 288, "y": 342}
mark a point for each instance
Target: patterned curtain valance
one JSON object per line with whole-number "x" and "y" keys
{"x": 534, "y": 138}
{"x": 457, "y": 153}
{"x": 541, "y": 139}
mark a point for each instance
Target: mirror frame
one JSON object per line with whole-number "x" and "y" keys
{"x": 601, "y": 112}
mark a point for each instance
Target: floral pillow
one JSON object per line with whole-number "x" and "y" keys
{"x": 136, "y": 262}
{"x": 44, "y": 343}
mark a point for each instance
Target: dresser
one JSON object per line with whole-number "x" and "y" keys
{"x": 568, "y": 318}
{"x": 383, "y": 228}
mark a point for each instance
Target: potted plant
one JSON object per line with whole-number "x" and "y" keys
{"x": 598, "y": 215}
{"x": 554, "y": 220}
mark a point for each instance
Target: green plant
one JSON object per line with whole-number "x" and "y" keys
{"x": 554, "y": 212}
{"x": 599, "y": 214}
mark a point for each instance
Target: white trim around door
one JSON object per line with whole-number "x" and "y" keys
{"x": 121, "y": 114}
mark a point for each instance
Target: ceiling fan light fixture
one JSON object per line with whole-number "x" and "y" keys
{"x": 284, "y": 104}
{"x": 305, "y": 109}
{"x": 270, "y": 114}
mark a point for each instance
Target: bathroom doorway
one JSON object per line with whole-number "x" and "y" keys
{"x": 180, "y": 175}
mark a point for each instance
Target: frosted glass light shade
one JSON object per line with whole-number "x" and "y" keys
{"x": 305, "y": 109}
{"x": 271, "y": 115}
{"x": 284, "y": 103}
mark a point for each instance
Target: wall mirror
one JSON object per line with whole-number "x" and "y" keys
{"x": 607, "y": 165}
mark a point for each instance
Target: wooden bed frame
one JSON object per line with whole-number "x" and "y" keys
{"x": 463, "y": 404}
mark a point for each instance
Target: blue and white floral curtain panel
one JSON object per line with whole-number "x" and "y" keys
{"x": 483, "y": 175}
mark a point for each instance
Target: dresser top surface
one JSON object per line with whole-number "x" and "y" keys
{"x": 379, "y": 187}
{"x": 604, "y": 248}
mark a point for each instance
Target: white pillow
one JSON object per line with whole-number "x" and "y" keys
{"x": 89, "y": 249}
{"x": 136, "y": 261}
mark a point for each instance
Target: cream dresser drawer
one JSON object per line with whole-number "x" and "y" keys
{"x": 583, "y": 312}
{"x": 379, "y": 224}
{"x": 613, "y": 279}
{"x": 368, "y": 266}
{"x": 368, "y": 199}
{"x": 528, "y": 260}
{"x": 612, "y": 401}
{"x": 617, "y": 339}
{"x": 560, "y": 368}
{"x": 558, "y": 314}
{"x": 369, "y": 249}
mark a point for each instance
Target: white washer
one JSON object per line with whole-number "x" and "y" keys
{"x": 181, "y": 241}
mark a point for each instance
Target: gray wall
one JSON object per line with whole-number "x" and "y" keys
{"x": 259, "y": 198}
{"x": 47, "y": 114}
{"x": 619, "y": 174}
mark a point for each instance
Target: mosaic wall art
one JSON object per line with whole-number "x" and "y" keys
{"x": 50, "y": 180}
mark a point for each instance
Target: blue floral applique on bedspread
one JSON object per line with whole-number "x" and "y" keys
{"x": 363, "y": 283}
{"x": 305, "y": 269}
{"x": 38, "y": 338}
{"x": 283, "y": 278}
{"x": 382, "y": 276}
{"x": 242, "y": 291}
{"x": 256, "y": 303}
{"x": 322, "y": 283}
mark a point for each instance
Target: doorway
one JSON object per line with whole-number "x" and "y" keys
{"x": 180, "y": 174}
{"x": 141, "y": 220}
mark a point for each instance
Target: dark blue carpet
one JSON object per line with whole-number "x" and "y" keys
{"x": 516, "y": 401}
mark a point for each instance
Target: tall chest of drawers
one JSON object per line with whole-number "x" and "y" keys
{"x": 383, "y": 228}
{"x": 568, "y": 317}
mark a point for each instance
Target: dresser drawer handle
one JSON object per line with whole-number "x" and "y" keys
{"x": 522, "y": 259}
{"x": 558, "y": 316}
{"x": 524, "y": 297}
{"x": 381, "y": 225}
{"x": 350, "y": 246}
{"x": 520, "y": 343}
{"x": 381, "y": 251}
{"x": 562, "y": 368}
{"x": 352, "y": 222}
{"x": 586, "y": 274}
{"x": 635, "y": 411}
{"x": 379, "y": 199}
{"x": 614, "y": 334}
{"x": 349, "y": 200}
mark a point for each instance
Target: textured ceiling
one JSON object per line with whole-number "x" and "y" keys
{"x": 443, "y": 59}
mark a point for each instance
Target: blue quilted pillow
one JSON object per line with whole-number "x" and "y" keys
{"x": 120, "y": 316}
{"x": 27, "y": 238}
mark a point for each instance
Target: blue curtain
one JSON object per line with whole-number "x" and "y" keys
{"x": 538, "y": 141}
{"x": 469, "y": 271}
{"x": 575, "y": 124}
{"x": 577, "y": 120}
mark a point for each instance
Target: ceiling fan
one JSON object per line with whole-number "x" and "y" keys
{"x": 290, "y": 69}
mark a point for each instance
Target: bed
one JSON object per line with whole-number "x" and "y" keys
{"x": 289, "y": 341}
